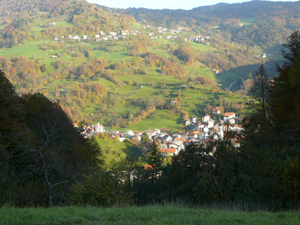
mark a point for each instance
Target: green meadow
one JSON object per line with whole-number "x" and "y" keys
{"x": 114, "y": 149}
{"x": 155, "y": 214}
{"x": 247, "y": 21}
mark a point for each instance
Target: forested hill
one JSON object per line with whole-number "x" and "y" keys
{"x": 16, "y": 16}
{"x": 257, "y": 22}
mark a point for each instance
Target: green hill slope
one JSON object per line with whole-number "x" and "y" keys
{"x": 74, "y": 52}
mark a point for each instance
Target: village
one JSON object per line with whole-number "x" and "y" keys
{"x": 112, "y": 35}
{"x": 198, "y": 131}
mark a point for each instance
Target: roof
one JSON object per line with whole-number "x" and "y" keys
{"x": 229, "y": 114}
{"x": 216, "y": 109}
{"x": 149, "y": 131}
{"x": 168, "y": 150}
{"x": 180, "y": 139}
{"x": 148, "y": 167}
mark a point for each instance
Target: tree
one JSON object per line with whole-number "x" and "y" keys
{"x": 145, "y": 138}
{"x": 155, "y": 157}
{"x": 45, "y": 153}
{"x": 259, "y": 91}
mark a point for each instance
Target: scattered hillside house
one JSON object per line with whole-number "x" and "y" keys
{"x": 128, "y": 133}
{"x": 54, "y": 57}
{"x": 194, "y": 119}
{"x": 56, "y": 39}
{"x": 148, "y": 167}
{"x": 206, "y": 118}
{"x": 57, "y": 94}
{"x": 98, "y": 127}
{"x": 188, "y": 122}
{"x": 229, "y": 117}
{"x": 199, "y": 126}
{"x": 239, "y": 106}
{"x": 101, "y": 32}
{"x": 84, "y": 37}
{"x": 167, "y": 138}
{"x": 175, "y": 102}
{"x": 210, "y": 123}
{"x": 157, "y": 131}
{"x": 176, "y": 136}
{"x": 150, "y": 133}
{"x": 112, "y": 33}
{"x": 250, "y": 101}
{"x": 76, "y": 38}
{"x": 52, "y": 24}
{"x": 168, "y": 151}
{"x": 183, "y": 86}
{"x": 237, "y": 128}
{"x": 216, "y": 111}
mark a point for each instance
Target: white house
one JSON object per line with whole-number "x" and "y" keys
{"x": 229, "y": 117}
{"x": 210, "y": 123}
{"x": 128, "y": 133}
{"x": 216, "y": 111}
{"x": 98, "y": 127}
{"x": 206, "y": 118}
{"x": 194, "y": 119}
{"x": 188, "y": 122}
{"x": 157, "y": 131}
{"x": 200, "y": 126}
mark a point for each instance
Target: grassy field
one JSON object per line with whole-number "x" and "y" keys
{"x": 157, "y": 215}
{"x": 114, "y": 149}
{"x": 247, "y": 21}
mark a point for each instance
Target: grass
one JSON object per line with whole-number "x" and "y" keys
{"x": 247, "y": 21}
{"x": 114, "y": 149}
{"x": 156, "y": 214}
{"x": 159, "y": 119}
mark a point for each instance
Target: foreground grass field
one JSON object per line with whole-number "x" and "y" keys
{"x": 142, "y": 215}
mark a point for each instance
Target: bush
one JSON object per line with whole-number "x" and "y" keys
{"x": 98, "y": 189}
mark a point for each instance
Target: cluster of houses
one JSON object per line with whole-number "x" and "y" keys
{"x": 104, "y": 36}
{"x": 101, "y": 36}
{"x": 201, "y": 131}
{"x": 198, "y": 39}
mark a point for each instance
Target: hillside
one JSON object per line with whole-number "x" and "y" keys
{"x": 105, "y": 66}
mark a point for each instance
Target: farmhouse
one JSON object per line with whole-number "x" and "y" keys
{"x": 216, "y": 111}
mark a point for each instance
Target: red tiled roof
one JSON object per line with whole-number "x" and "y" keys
{"x": 216, "y": 109}
{"x": 229, "y": 114}
{"x": 180, "y": 139}
{"x": 148, "y": 167}
{"x": 168, "y": 150}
